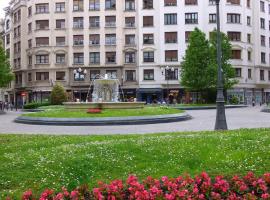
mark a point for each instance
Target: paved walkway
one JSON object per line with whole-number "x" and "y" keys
{"x": 202, "y": 120}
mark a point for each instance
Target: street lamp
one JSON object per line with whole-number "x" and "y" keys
{"x": 165, "y": 72}
{"x": 79, "y": 75}
{"x": 221, "y": 123}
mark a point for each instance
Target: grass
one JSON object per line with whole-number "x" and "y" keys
{"x": 38, "y": 162}
{"x": 194, "y": 105}
{"x": 60, "y": 112}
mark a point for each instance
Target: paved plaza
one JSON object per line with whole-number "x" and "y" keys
{"x": 202, "y": 120}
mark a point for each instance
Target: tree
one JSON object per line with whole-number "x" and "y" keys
{"x": 229, "y": 79}
{"x": 195, "y": 67}
{"x": 6, "y": 75}
{"x": 58, "y": 95}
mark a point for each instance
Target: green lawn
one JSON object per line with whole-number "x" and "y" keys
{"x": 37, "y": 162}
{"x": 60, "y": 112}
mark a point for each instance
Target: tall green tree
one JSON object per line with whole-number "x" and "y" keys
{"x": 58, "y": 95}
{"x": 229, "y": 79}
{"x": 6, "y": 75}
{"x": 195, "y": 67}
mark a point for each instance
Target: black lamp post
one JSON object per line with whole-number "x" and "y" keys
{"x": 165, "y": 71}
{"x": 80, "y": 76}
{"x": 221, "y": 123}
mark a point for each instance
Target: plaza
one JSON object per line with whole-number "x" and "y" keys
{"x": 202, "y": 120}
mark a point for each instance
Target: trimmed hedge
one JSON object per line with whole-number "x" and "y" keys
{"x": 35, "y": 105}
{"x": 202, "y": 187}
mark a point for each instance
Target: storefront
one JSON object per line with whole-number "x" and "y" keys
{"x": 150, "y": 95}
{"x": 174, "y": 95}
{"x": 129, "y": 94}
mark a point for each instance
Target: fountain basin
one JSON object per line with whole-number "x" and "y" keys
{"x": 102, "y": 105}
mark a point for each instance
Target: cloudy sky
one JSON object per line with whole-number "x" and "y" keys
{"x": 3, "y": 4}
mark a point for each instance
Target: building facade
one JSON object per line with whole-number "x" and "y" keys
{"x": 139, "y": 42}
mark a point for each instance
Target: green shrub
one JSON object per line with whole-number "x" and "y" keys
{"x": 234, "y": 100}
{"x": 35, "y": 105}
{"x": 58, "y": 95}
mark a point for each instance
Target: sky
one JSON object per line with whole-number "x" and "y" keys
{"x": 3, "y": 4}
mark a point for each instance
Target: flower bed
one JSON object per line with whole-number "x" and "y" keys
{"x": 201, "y": 187}
{"x": 94, "y": 110}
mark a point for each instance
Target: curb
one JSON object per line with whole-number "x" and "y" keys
{"x": 103, "y": 121}
{"x": 209, "y": 107}
{"x": 266, "y": 110}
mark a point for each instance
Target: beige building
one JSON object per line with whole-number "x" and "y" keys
{"x": 72, "y": 41}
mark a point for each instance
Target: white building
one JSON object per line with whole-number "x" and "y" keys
{"x": 132, "y": 40}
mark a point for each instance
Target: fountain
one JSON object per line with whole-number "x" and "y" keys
{"x": 105, "y": 95}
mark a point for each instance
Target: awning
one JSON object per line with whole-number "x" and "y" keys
{"x": 150, "y": 90}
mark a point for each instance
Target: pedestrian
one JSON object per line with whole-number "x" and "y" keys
{"x": 253, "y": 102}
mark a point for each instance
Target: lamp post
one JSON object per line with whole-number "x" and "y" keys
{"x": 79, "y": 76}
{"x": 221, "y": 123}
{"x": 165, "y": 72}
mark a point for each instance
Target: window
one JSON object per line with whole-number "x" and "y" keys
{"x": 110, "y": 39}
{"x": 262, "y": 7}
{"x": 148, "y": 21}
{"x": 147, "y": 4}
{"x": 60, "y": 58}
{"x": 191, "y": 18}
{"x": 130, "y": 75}
{"x": 262, "y": 22}
{"x": 262, "y": 75}
{"x": 236, "y": 54}
{"x": 110, "y": 57}
{"x": 42, "y": 59}
{"x": 60, "y": 76}
{"x": 29, "y": 75}
{"x": 191, "y": 2}
{"x": 262, "y": 40}
{"x": 170, "y": 2}
{"x": 60, "y": 23}
{"x": 236, "y": 2}
{"x": 170, "y": 37}
{"x": 249, "y": 38}
{"x": 78, "y": 58}
{"x": 130, "y": 39}
{"x": 130, "y": 22}
{"x": 60, "y": 41}
{"x": 42, "y": 24}
{"x": 212, "y": 18}
{"x": 110, "y": 4}
{"x": 148, "y": 74}
{"x": 94, "y": 39}
{"x": 130, "y": 57}
{"x": 60, "y": 7}
{"x": 171, "y": 55}
{"x": 249, "y": 55}
{"x": 263, "y": 60}
{"x": 42, "y": 41}
{"x": 238, "y": 72}
{"x": 234, "y": 36}
{"x": 78, "y": 22}
{"x": 248, "y": 21}
{"x": 268, "y": 75}
{"x": 30, "y": 11}
{"x": 29, "y": 43}
{"x": 148, "y": 38}
{"x": 8, "y": 38}
{"x": 110, "y": 21}
{"x": 112, "y": 73}
{"x": 94, "y": 4}
{"x": 30, "y": 60}
{"x": 129, "y": 5}
{"x": 94, "y": 22}
{"x": 148, "y": 56}
{"x": 248, "y": 3}
{"x": 170, "y": 19}
{"x": 78, "y": 40}
{"x": 187, "y": 35}
{"x": 42, "y": 76}
{"x": 249, "y": 74}
{"x": 94, "y": 74}
{"x": 233, "y": 18}
{"x": 29, "y": 27}
{"x": 171, "y": 74}
{"x": 94, "y": 57}
{"x": 42, "y": 8}
{"x": 77, "y": 5}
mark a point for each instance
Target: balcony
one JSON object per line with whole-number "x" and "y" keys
{"x": 94, "y": 25}
{"x": 110, "y": 24}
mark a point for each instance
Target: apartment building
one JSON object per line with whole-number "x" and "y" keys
{"x": 139, "y": 42}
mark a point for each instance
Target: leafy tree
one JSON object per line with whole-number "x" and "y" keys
{"x": 195, "y": 67}
{"x": 6, "y": 75}
{"x": 58, "y": 95}
{"x": 228, "y": 70}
